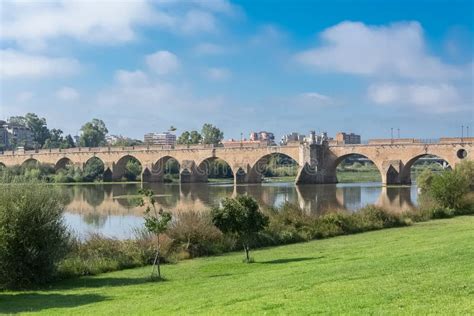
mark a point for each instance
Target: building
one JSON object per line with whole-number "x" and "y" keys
{"x": 13, "y": 135}
{"x": 3, "y": 136}
{"x": 292, "y": 138}
{"x": 160, "y": 139}
{"x": 263, "y": 136}
{"x": 345, "y": 138}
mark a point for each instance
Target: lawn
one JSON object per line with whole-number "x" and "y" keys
{"x": 423, "y": 269}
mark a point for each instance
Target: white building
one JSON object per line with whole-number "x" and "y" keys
{"x": 160, "y": 139}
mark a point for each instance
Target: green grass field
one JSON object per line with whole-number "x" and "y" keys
{"x": 427, "y": 268}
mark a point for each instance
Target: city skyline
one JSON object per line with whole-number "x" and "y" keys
{"x": 243, "y": 66}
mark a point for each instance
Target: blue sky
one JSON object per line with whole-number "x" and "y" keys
{"x": 281, "y": 66}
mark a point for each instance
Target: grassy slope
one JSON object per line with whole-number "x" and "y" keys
{"x": 426, "y": 268}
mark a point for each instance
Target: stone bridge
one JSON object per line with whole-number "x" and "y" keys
{"x": 316, "y": 163}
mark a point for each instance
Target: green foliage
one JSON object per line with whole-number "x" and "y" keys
{"x": 194, "y": 235}
{"x": 424, "y": 180}
{"x": 133, "y": 169}
{"x": 57, "y": 140}
{"x": 211, "y": 134}
{"x": 93, "y": 134}
{"x": 98, "y": 254}
{"x": 449, "y": 188}
{"x": 189, "y": 138}
{"x": 240, "y": 216}
{"x": 466, "y": 169}
{"x": 33, "y": 237}
{"x": 93, "y": 170}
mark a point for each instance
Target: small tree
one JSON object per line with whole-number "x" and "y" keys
{"x": 156, "y": 222}
{"x": 449, "y": 188}
{"x": 240, "y": 216}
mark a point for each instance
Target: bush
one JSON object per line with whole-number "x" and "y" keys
{"x": 466, "y": 169}
{"x": 98, "y": 254}
{"x": 449, "y": 188}
{"x": 33, "y": 237}
{"x": 424, "y": 180}
{"x": 194, "y": 235}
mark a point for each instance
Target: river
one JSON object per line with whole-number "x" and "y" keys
{"x": 108, "y": 209}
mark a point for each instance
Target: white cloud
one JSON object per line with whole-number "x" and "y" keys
{"x": 435, "y": 98}
{"x": 397, "y": 50}
{"x": 136, "y": 77}
{"x": 91, "y": 21}
{"x": 162, "y": 62}
{"x": 156, "y": 99}
{"x": 31, "y": 24}
{"x": 67, "y": 94}
{"x": 209, "y": 49}
{"x": 196, "y": 21}
{"x": 15, "y": 64}
{"x": 267, "y": 34}
{"x": 312, "y": 99}
{"x": 216, "y": 73}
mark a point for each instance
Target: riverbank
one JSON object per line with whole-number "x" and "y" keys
{"x": 422, "y": 269}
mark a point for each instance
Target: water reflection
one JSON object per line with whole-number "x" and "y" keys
{"x": 112, "y": 209}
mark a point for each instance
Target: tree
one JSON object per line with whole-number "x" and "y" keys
{"x": 36, "y": 124}
{"x": 93, "y": 170}
{"x": 156, "y": 222}
{"x": 449, "y": 188}
{"x": 172, "y": 128}
{"x": 39, "y": 128}
{"x": 133, "y": 169}
{"x": 33, "y": 235}
{"x": 55, "y": 139}
{"x": 189, "y": 138}
{"x": 195, "y": 138}
{"x": 240, "y": 216}
{"x": 466, "y": 169}
{"x": 69, "y": 142}
{"x": 211, "y": 134}
{"x": 424, "y": 180}
{"x": 93, "y": 134}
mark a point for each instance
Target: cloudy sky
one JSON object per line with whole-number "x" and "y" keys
{"x": 281, "y": 66}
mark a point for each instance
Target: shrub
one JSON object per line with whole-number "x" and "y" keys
{"x": 288, "y": 223}
{"x": 98, "y": 254}
{"x": 194, "y": 235}
{"x": 33, "y": 237}
{"x": 466, "y": 169}
{"x": 424, "y": 180}
{"x": 449, "y": 188}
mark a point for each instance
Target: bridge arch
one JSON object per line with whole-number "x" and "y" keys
{"x": 95, "y": 169}
{"x": 405, "y": 175}
{"x": 213, "y": 167}
{"x": 165, "y": 169}
{"x": 128, "y": 167}
{"x": 361, "y": 159}
{"x": 63, "y": 163}
{"x": 288, "y": 165}
{"x": 30, "y": 162}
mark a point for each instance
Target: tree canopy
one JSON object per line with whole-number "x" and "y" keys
{"x": 211, "y": 134}
{"x": 240, "y": 216}
{"x": 93, "y": 134}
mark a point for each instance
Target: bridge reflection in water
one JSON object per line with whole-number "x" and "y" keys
{"x": 111, "y": 209}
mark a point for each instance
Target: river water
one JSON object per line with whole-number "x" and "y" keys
{"x": 110, "y": 209}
